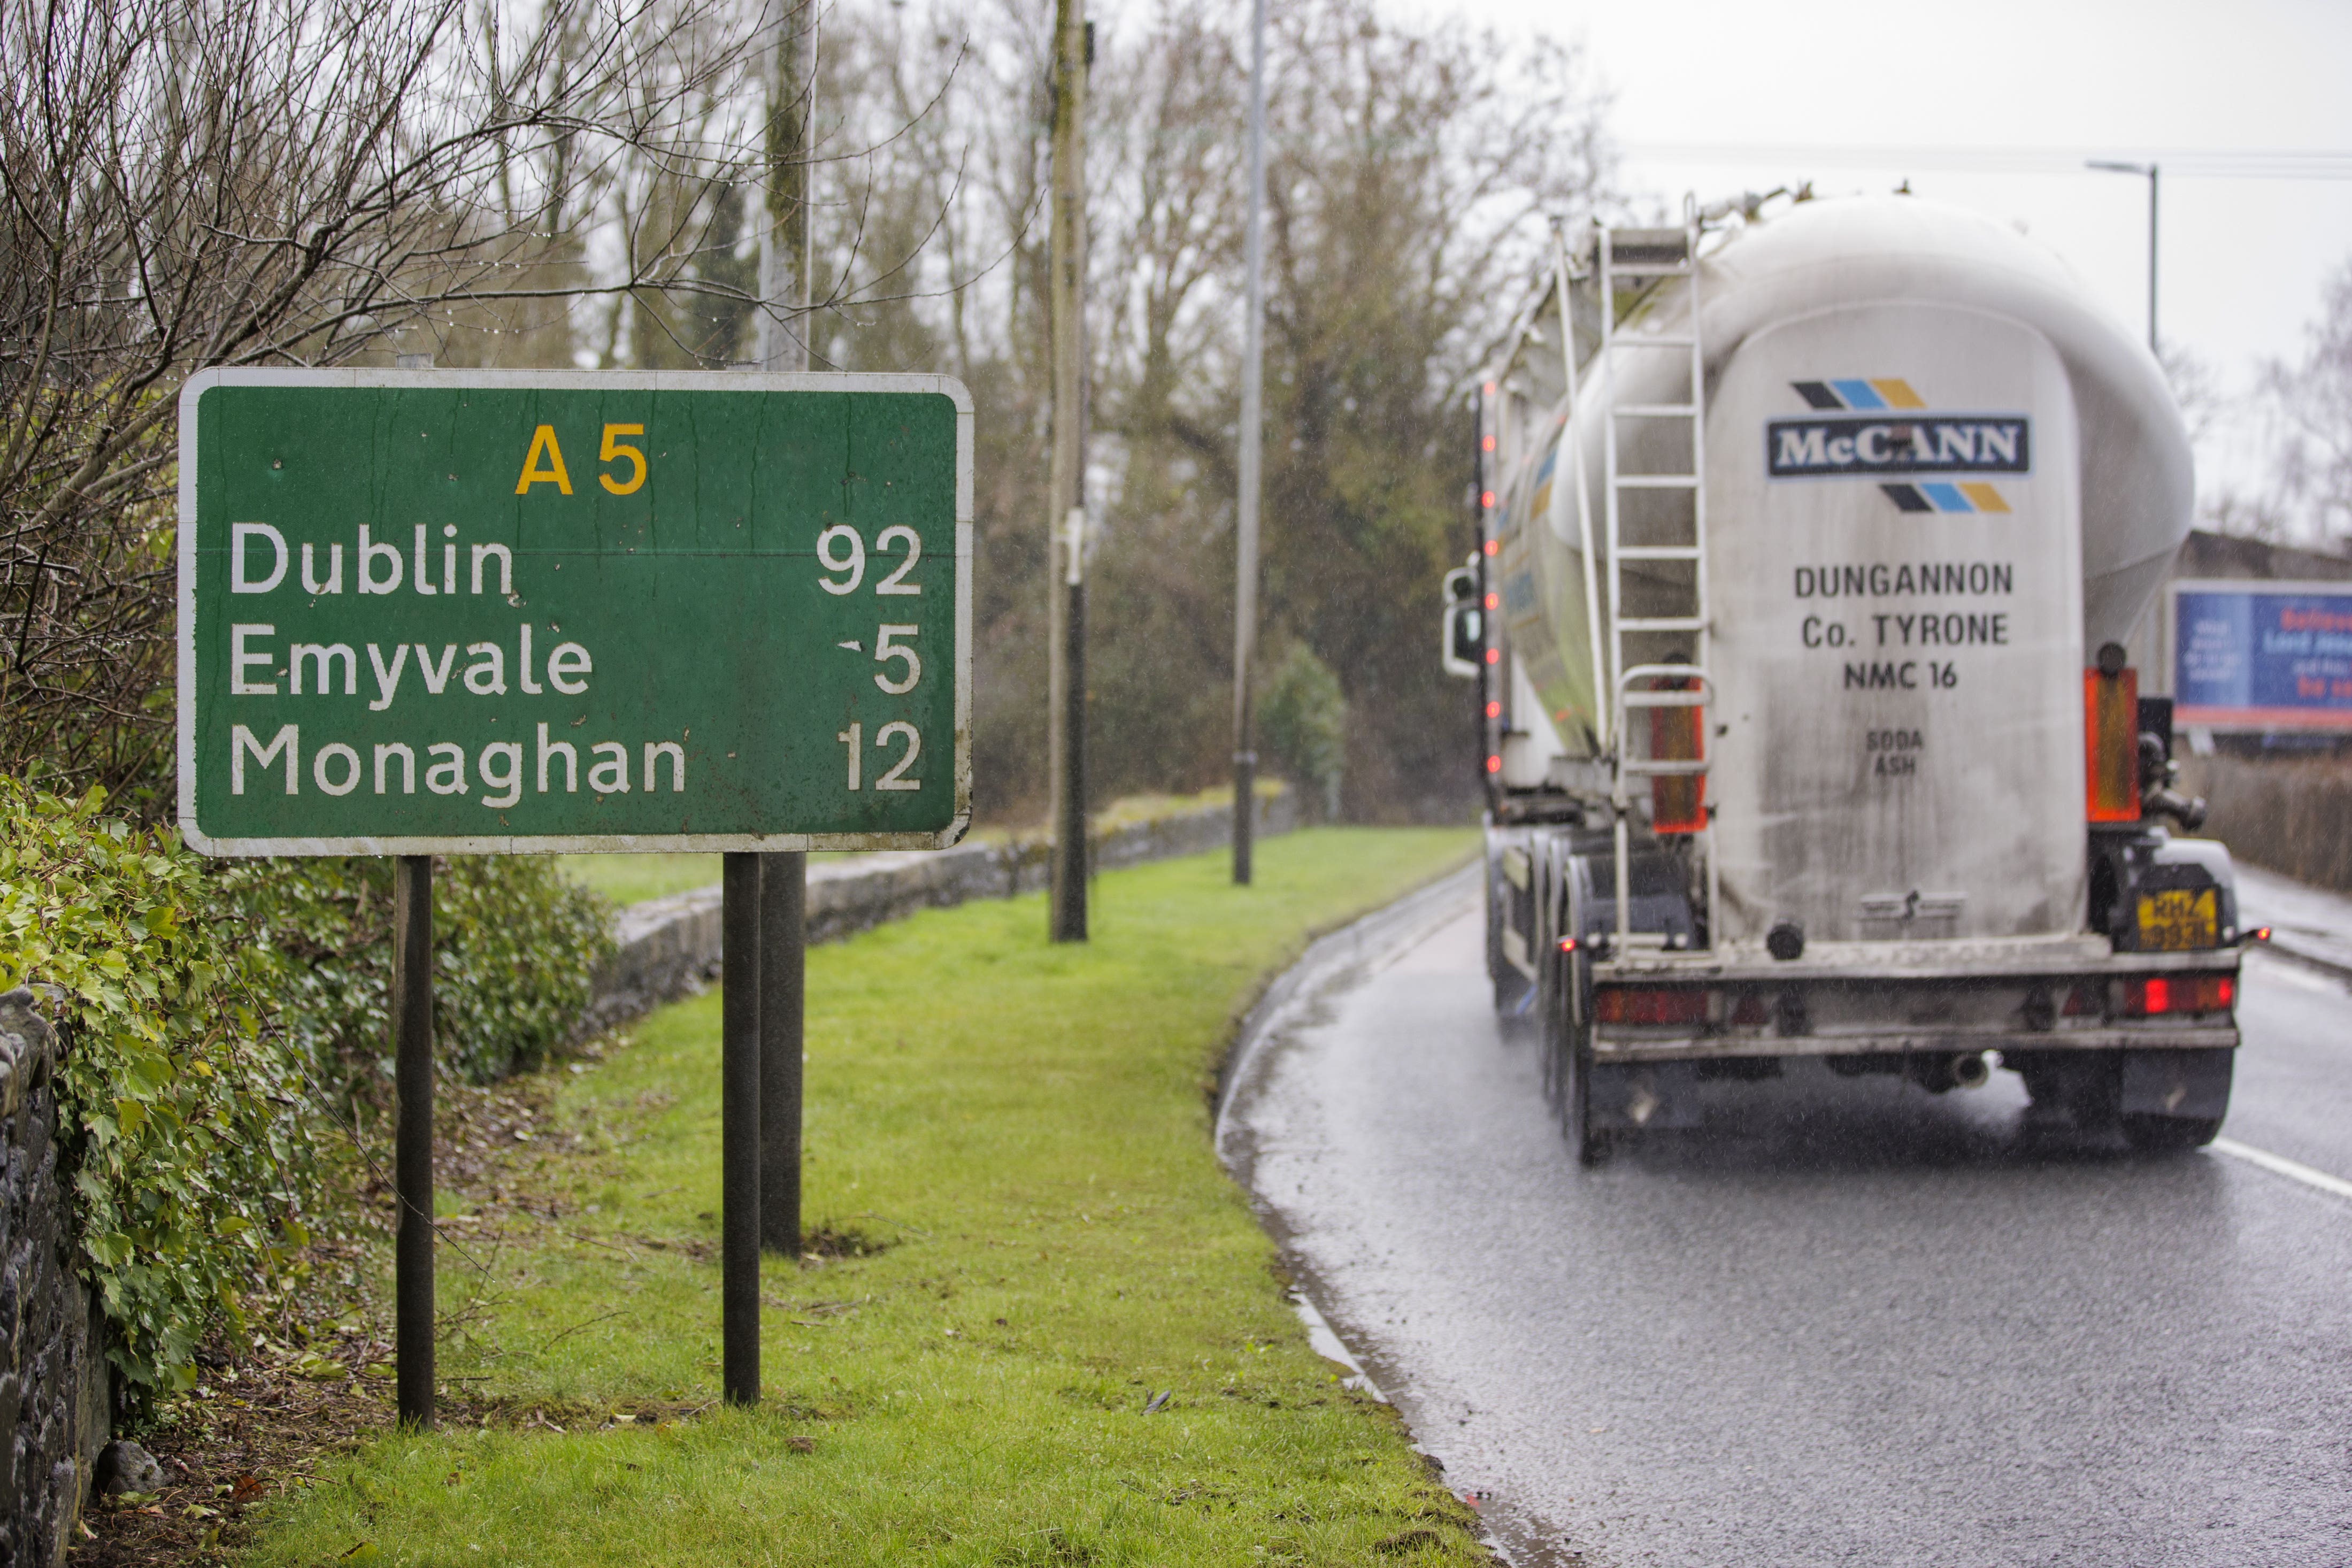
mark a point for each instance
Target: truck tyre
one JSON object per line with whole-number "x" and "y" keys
{"x": 1551, "y": 1016}
{"x": 2169, "y": 1134}
{"x": 1589, "y": 1143}
{"x": 1510, "y": 987}
{"x": 1510, "y": 991}
{"x": 2083, "y": 1090}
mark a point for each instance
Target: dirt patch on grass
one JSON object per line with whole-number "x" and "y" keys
{"x": 252, "y": 1431}
{"x": 317, "y": 1378}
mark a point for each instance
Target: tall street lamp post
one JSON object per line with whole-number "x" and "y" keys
{"x": 2112, "y": 167}
{"x": 1247, "y": 502}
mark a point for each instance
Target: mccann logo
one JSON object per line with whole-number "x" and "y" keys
{"x": 1881, "y": 428}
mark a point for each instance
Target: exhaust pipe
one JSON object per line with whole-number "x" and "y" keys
{"x": 1941, "y": 1074}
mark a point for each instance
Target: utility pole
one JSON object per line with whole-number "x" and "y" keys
{"x": 784, "y": 276}
{"x": 1066, "y": 481}
{"x": 2149, "y": 169}
{"x": 1246, "y": 508}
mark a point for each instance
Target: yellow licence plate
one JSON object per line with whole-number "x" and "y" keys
{"x": 2178, "y": 919}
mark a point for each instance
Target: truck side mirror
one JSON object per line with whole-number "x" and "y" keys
{"x": 1465, "y": 640}
{"x": 1464, "y": 643}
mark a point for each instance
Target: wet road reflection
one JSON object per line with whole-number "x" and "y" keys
{"x": 1843, "y": 1321}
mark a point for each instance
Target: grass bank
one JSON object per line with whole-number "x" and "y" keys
{"x": 631, "y": 879}
{"x": 1024, "y": 1245}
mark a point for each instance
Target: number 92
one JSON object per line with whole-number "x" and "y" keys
{"x": 841, "y": 550}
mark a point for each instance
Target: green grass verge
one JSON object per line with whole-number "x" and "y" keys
{"x": 632, "y": 879}
{"x": 1021, "y": 1130}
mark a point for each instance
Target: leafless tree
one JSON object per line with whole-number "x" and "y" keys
{"x": 2311, "y": 403}
{"x": 187, "y": 183}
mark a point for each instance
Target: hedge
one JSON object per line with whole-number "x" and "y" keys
{"x": 218, "y": 1020}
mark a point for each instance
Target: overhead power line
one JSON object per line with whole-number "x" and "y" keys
{"x": 2183, "y": 162}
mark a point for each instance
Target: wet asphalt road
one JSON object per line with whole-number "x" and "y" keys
{"x": 1845, "y": 1322}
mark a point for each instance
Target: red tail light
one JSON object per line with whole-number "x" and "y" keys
{"x": 2160, "y": 994}
{"x": 1629, "y": 1004}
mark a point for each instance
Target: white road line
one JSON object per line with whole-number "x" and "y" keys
{"x": 2279, "y": 1165}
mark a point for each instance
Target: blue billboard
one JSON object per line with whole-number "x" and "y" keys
{"x": 2262, "y": 656}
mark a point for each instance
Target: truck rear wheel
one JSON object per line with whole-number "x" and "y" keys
{"x": 1567, "y": 1055}
{"x": 2082, "y": 1090}
{"x": 1591, "y": 1144}
{"x": 1511, "y": 987}
{"x": 2169, "y": 1134}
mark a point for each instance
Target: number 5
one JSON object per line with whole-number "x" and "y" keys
{"x": 884, "y": 650}
{"x": 614, "y": 451}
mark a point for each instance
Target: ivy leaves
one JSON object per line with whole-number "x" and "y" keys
{"x": 177, "y": 1111}
{"x": 202, "y": 1008}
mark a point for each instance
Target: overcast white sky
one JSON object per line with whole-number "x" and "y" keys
{"x": 2242, "y": 259}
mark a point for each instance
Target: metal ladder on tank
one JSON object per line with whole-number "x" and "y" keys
{"x": 1663, "y": 256}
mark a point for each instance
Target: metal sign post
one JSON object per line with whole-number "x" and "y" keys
{"x": 444, "y": 612}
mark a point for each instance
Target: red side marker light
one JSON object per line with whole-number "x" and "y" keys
{"x": 1494, "y": 709}
{"x": 1486, "y": 498}
{"x": 1494, "y": 765}
{"x": 2260, "y": 933}
{"x": 1492, "y": 546}
{"x": 1494, "y": 600}
{"x": 1493, "y": 655}
{"x": 1488, "y": 444}
{"x": 1568, "y": 944}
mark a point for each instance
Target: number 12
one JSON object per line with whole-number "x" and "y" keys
{"x": 854, "y": 738}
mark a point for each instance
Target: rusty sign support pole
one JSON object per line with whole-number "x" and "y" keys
{"x": 412, "y": 1038}
{"x": 739, "y": 1131}
{"x": 783, "y": 971}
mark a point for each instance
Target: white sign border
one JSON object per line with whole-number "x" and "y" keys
{"x": 573, "y": 844}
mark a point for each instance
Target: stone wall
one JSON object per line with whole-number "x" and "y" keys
{"x": 670, "y": 947}
{"x": 54, "y": 1386}
{"x": 2292, "y": 816}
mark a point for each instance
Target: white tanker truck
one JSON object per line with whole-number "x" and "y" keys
{"x": 1811, "y": 544}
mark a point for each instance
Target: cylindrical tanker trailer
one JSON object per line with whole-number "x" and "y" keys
{"x": 1811, "y": 544}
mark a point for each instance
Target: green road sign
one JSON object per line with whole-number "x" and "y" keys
{"x": 426, "y": 611}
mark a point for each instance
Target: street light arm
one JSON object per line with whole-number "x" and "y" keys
{"x": 2113, "y": 166}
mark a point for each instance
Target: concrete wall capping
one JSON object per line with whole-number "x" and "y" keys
{"x": 670, "y": 947}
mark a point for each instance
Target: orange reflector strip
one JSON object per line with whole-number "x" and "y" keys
{"x": 2111, "y": 746}
{"x": 1677, "y": 805}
